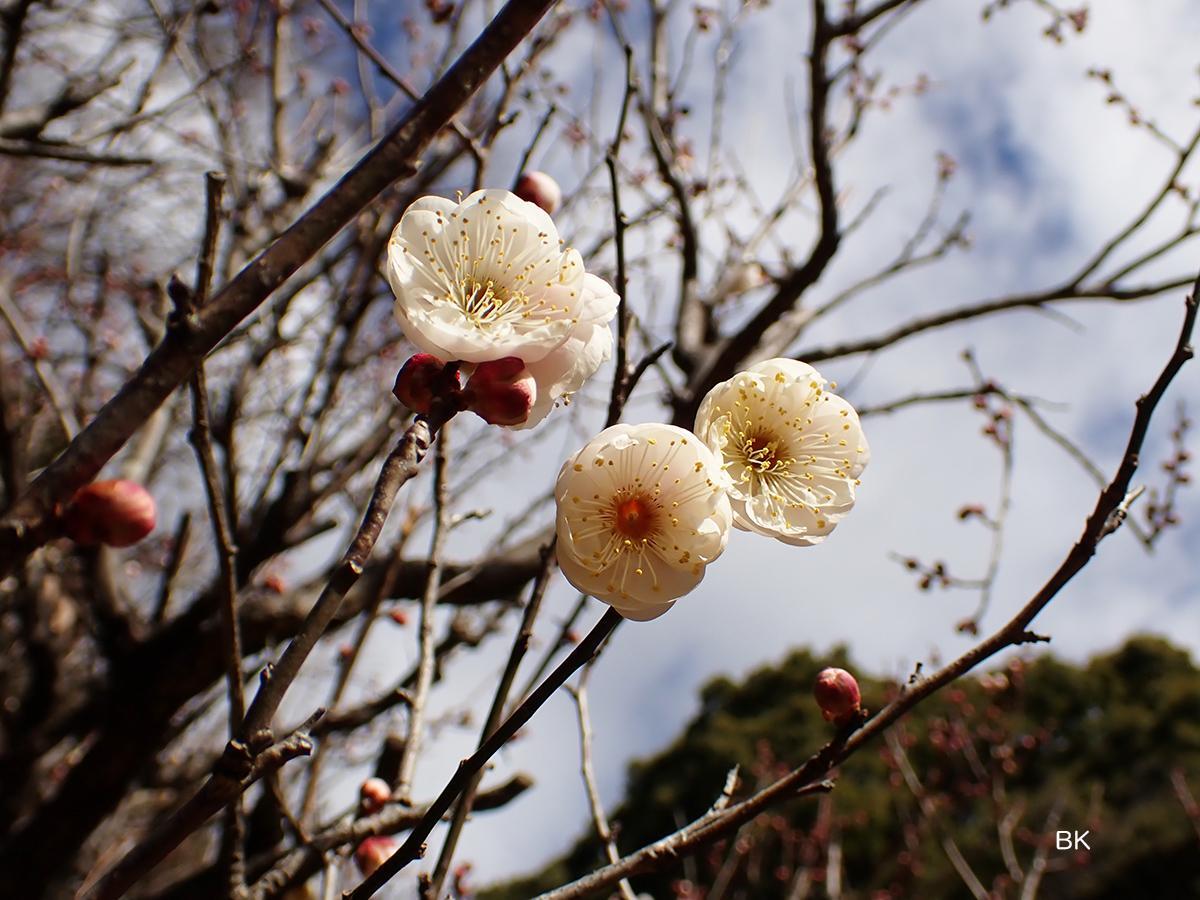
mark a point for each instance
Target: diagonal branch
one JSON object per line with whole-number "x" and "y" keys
{"x": 1104, "y": 518}
{"x": 987, "y": 308}
{"x": 173, "y": 360}
{"x": 414, "y": 846}
{"x": 743, "y": 343}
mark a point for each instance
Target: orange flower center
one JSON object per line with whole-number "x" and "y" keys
{"x": 634, "y": 517}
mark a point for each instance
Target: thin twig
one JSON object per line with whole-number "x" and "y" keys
{"x": 495, "y": 713}
{"x": 588, "y": 773}
{"x": 808, "y": 777}
{"x": 414, "y": 846}
{"x": 425, "y": 648}
{"x": 533, "y": 142}
{"x": 355, "y": 32}
{"x": 333, "y": 719}
{"x": 564, "y": 638}
{"x": 1037, "y": 868}
{"x": 54, "y": 391}
{"x": 1186, "y": 799}
{"x": 929, "y": 813}
{"x": 221, "y": 515}
{"x": 621, "y": 370}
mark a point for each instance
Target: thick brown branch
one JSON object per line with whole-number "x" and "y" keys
{"x": 414, "y": 846}
{"x": 176, "y": 357}
{"x": 242, "y": 765}
{"x": 740, "y": 345}
{"x": 809, "y": 776}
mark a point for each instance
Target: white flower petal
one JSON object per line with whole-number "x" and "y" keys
{"x": 792, "y": 369}
{"x": 641, "y": 511}
{"x": 792, "y": 450}
{"x": 564, "y": 370}
{"x": 487, "y": 278}
{"x": 600, "y": 301}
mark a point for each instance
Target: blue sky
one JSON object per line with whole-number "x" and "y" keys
{"x": 1048, "y": 171}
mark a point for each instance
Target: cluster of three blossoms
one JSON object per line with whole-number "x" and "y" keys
{"x": 641, "y": 509}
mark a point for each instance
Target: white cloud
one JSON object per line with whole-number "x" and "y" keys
{"x": 1049, "y": 172}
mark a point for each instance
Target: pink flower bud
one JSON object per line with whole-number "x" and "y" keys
{"x": 837, "y": 695}
{"x": 116, "y": 513}
{"x": 420, "y": 380}
{"x": 373, "y": 852}
{"x": 501, "y": 392}
{"x": 373, "y": 794}
{"x": 540, "y": 189}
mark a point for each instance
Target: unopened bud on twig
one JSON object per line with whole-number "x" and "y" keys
{"x": 420, "y": 380}
{"x": 373, "y": 794}
{"x": 746, "y": 276}
{"x": 501, "y": 392}
{"x": 837, "y": 694}
{"x": 373, "y": 852}
{"x": 117, "y": 513}
{"x": 540, "y": 189}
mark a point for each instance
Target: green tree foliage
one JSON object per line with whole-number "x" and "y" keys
{"x": 998, "y": 761}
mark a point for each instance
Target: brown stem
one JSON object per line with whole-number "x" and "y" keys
{"x": 173, "y": 360}
{"x": 401, "y": 465}
{"x": 414, "y": 846}
{"x": 495, "y": 713}
{"x": 1105, "y": 518}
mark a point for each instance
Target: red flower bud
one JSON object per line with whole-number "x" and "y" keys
{"x": 399, "y": 616}
{"x": 837, "y": 695}
{"x": 39, "y": 348}
{"x": 421, "y": 380}
{"x": 116, "y": 513}
{"x": 373, "y": 852}
{"x": 540, "y": 189}
{"x": 501, "y": 392}
{"x": 373, "y": 794}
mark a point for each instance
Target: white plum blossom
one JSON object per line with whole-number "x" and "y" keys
{"x": 488, "y": 278}
{"x": 791, "y": 450}
{"x": 641, "y": 511}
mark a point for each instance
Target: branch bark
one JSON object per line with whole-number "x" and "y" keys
{"x": 173, "y": 360}
{"x": 1104, "y": 518}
